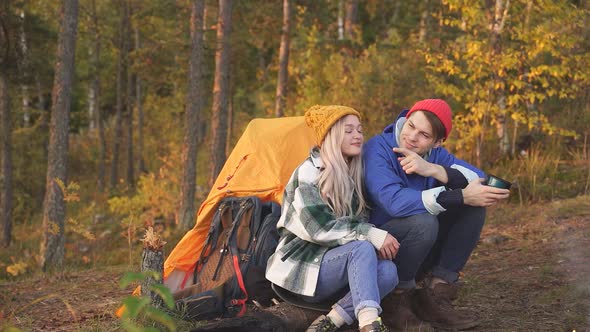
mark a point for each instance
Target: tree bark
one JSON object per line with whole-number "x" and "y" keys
{"x": 96, "y": 88}
{"x": 130, "y": 100}
{"x": 139, "y": 103}
{"x": 24, "y": 69}
{"x": 281, "y": 95}
{"x": 54, "y": 208}
{"x": 220, "y": 90}
{"x": 351, "y": 19}
{"x": 121, "y": 64}
{"x": 424, "y": 21}
{"x": 152, "y": 261}
{"x": 194, "y": 104}
{"x": 341, "y": 19}
{"x": 499, "y": 17}
{"x": 6, "y": 183}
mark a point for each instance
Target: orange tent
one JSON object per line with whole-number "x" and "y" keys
{"x": 260, "y": 165}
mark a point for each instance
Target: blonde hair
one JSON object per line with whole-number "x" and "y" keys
{"x": 340, "y": 179}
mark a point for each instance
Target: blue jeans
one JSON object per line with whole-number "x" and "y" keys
{"x": 355, "y": 269}
{"x": 439, "y": 244}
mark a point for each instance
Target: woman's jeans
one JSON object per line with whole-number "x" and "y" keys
{"x": 354, "y": 266}
{"x": 439, "y": 244}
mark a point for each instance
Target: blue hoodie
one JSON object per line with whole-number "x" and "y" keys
{"x": 394, "y": 194}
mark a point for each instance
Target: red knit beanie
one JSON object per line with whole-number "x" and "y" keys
{"x": 438, "y": 107}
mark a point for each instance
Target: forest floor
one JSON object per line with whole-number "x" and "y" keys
{"x": 530, "y": 272}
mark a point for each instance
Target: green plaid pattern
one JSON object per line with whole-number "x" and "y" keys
{"x": 308, "y": 229}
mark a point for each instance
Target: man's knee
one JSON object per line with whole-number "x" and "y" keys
{"x": 423, "y": 228}
{"x": 472, "y": 215}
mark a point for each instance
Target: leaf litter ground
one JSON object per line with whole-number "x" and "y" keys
{"x": 530, "y": 272}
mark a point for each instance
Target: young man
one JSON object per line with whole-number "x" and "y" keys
{"x": 434, "y": 204}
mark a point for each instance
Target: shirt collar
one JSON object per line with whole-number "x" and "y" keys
{"x": 314, "y": 155}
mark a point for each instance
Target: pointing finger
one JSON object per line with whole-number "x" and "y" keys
{"x": 403, "y": 151}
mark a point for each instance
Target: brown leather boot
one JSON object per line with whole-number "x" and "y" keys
{"x": 397, "y": 312}
{"x": 448, "y": 291}
{"x": 433, "y": 306}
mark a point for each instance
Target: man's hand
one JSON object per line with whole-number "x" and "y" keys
{"x": 413, "y": 163}
{"x": 389, "y": 248}
{"x": 477, "y": 194}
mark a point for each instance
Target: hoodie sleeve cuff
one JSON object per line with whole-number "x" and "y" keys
{"x": 429, "y": 200}
{"x": 376, "y": 236}
{"x": 451, "y": 198}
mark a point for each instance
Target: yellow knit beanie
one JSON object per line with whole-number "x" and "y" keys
{"x": 322, "y": 118}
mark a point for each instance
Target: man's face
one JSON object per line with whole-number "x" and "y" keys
{"x": 416, "y": 134}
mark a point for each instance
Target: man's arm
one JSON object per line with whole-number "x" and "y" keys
{"x": 413, "y": 163}
{"x": 386, "y": 187}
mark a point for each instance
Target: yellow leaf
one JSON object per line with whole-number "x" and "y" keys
{"x": 17, "y": 268}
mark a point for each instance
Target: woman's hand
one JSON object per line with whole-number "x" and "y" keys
{"x": 389, "y": 248}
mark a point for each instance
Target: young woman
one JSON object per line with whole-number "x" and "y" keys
{"x": 326, "y": 246}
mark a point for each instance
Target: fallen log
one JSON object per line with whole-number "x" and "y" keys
{"x": 282, "y": 317}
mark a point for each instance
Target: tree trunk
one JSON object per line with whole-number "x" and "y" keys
{"x": 220, "y": 90}
{"x": 351, "y": 19}
{"x": 96, "y": 88}
{"x": 230, "y": 126}
{"x": 194, "y": 104}
{"x": 341, "y": 19}
{"x": 54, "y": 208}
{"x": 91, "y": 99}
{"x": 121, "y": 63}
{"x": 424, "y": 21}
{"x": 139, "y": 103}
{"x": 24, "y": 69}
{"x": 152, "y": 259}
{"x": 130, "y": 100}
{"x": 281, "y": 95}
{"x": 6, "y": 183}
{"x": 499, "y": 17}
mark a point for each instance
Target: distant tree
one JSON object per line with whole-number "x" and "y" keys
{"x": 54, "y": 208}
{"x": 500, "y": 59}
{"x": 281, "y": 95}
{"x": 139, "y": 103}
{"x": 351, "y": 19}
{"x": 24, "y": 68}
{"x": 121, "y": 67}
{"x": 194, "y": 104}
{"x": 220, "y": 109}
{"x": 424, "y": 15}
{"x": 6, "y": 182}
{"x": 130, "y": 100}
{"x": 95, "y": 88}
{"x": 6, "y": 132}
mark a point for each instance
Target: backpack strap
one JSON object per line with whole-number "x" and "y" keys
{"x": 240, "y": 302}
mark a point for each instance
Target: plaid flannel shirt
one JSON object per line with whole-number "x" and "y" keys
{"x": 308, "y": 229}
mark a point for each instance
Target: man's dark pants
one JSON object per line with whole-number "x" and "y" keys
{"x": 439, "y": 244}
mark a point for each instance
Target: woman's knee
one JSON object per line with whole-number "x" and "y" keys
{"x": 364, "y": 249}
{"x": 387, "y": 274}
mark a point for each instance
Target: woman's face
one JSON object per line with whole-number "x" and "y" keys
{"x": 416, "y": 134}
{"x": 353, "y": 137}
